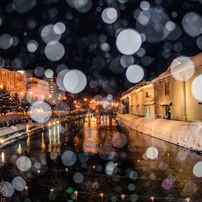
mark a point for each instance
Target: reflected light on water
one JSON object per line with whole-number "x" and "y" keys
{"x": 2, "y": 157}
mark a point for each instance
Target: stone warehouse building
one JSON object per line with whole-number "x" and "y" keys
{"x": 175, "y": 94}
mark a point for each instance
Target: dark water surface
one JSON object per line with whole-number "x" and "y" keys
{"x": 86, "y": 161}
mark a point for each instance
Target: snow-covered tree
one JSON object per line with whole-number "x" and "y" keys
{"x": 16, "y": 103}
{"x": 5, "y": 104}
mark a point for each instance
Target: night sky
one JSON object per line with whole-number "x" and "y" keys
{"x": 86, "y": 32}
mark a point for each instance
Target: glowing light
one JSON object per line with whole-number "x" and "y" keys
{"x": 19, "y": 183}
{"x": 44, "y": 110}
{"x": 152, "y": 153}
{"x": 184, "y": 70}
{"x": 59, "y": 28}
{"x": 197, "y": 170}
{"x": 6, "y": 41}
{"x": 128, "y": 41}
{"x": 54, "y": 51}
{"x": 167, "y": 184}
{"x": 32, "y": 46}
{"x": 144, "y": 5}
{"x": 68, "y": 158}
{"x": 82, "y": 6}
{"x": 49, "y": 73}
{"x": 48, "y": 34}
{"x": 109, "y": 15}
{"x": 6, "y": 189}
{"x": 23, "y": 163}
{"x": 196, "y": 88}
{"x": 126, "y": 60}
{"x": 78, "y": 178}
{"x": 192, "y": 24}
{"x": 134, "y": 73}
{"x": 74, "y": 81}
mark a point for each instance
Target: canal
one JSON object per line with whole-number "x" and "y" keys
{"x": 91, "y": 160}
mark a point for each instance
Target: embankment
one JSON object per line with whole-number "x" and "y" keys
{"x": 185, "y": 134}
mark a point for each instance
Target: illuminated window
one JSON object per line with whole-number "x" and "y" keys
{"x": 167, "y": 88}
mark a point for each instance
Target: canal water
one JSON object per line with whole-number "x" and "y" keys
{"x": 91, "y": 160}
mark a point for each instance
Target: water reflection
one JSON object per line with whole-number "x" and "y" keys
{"x": 93, "y": 161}
{"x": 54, "y": 139}
{"x": 2, "y": 157}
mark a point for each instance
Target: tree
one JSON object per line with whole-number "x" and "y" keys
{"x": 15, "y": 101}
{"x": 25, "y": 103}
{"x": 70, "y": 102}
{"x": 5, "y": 103}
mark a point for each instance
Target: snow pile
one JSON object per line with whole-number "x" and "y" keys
{"x": 185, "y": 134}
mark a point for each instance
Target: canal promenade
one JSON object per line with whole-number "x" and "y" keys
{"x": 9, "y": 135}
{"x": 185, "y": 134}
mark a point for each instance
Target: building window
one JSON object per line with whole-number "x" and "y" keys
{"x": 136, "y": 97}
{"x": 167, "y": 88}
{"x": 147, "y": 95}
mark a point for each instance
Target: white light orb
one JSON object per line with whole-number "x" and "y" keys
{"x": 134, "y": 73}
{"x": 6, "y": 41}
{"x": 48, "y": 34}
{"x": 59, "y": 28}
{"x": 128, "y": 41}
{"x": 54, "y": 51}
{"x": 144, "y": 5}
{"x": 6, "y": 189}
{"x": 23, "y": 163}
{"x": 109, "y": 15}
{"x": 49, "y": 73}
{"x": 182, "y": 68}
{"x": 68, "y": 158}
{"x": 40, "y": 111}
{"x": 19, "y": 183}
{"x": 74, "y": 81}
{"x": 196, "y": 88}
{"x": 197, "y": 170}
{"x": 192, "y": 24}
{"x": 152, "y": 153}
{"x": 32, "y": 46}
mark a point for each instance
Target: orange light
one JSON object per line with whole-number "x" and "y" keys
{"x": 21, "y": 93}
{"x": 65, "y": 98}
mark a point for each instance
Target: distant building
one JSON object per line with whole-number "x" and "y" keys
{"x": 55, "y": 91}
{"x": 14, "y": 81}
{"x": 37, "y": 89}
{"x": 172, "y": 95}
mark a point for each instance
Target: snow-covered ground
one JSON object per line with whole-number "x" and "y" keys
{"x": 185, "y": 134}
